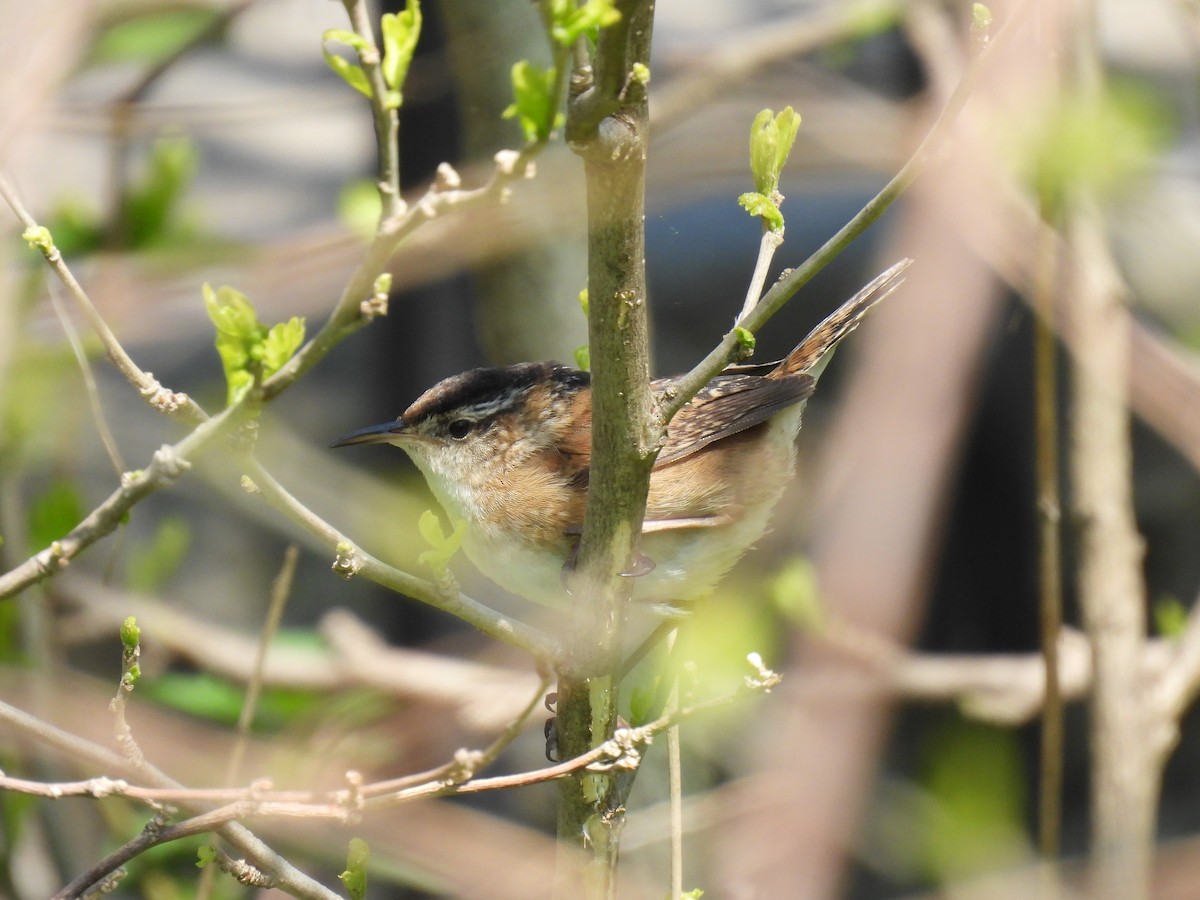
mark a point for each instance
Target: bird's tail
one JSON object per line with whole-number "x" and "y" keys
{"x": 841, "y": 322}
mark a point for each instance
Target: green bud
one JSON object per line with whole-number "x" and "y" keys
{"x": 39, "y": 237}
{"x": 130, "y": 634}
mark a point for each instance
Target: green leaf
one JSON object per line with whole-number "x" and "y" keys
{"x": 53, "y": 514}
{"x": 534, "y": 105}
{"x": 151, "y": 564}
{"x": 400, "y": 32}
{"x": 442, "y": 546}
{"x": 355, "y": 876}
{"x": 153, "y": 202}
{"x": 583, "y": 357}
{"x": 237, "y": 332}
{"x": 764, "y": 207}
{"x": 771, "y": 139}
{"x": 351, "y": 73}
{"x": 205, "y": 854}
{"x": 247, "y": 347}
{"x": 568, "y": 21}
{"x": 283, "y": 340}
{"x": 151, "y": 37}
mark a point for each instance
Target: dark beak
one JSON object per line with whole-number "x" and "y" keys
{"x": 372, "y": 434}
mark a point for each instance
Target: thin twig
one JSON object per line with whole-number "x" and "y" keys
{"x": 466, "y": 764}
{"x": 352, "y": 311}
{"x": 262, "y": 803}
{"x": 168, "y": 463}
{"x": 387, "y": 119}
{"x": 89, "y": 383}
{"x": 353, "y": 560}
{"x": 280, "y": 591}
{"x": 287, "y": 876}
{"x": 767, "y": 245}
{"x": 177, "y": 405}
{"x": 792, "y": 280}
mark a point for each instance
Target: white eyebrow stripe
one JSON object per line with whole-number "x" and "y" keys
{"x": 477, "y": 412}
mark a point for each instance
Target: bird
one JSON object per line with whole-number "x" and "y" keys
{"x": 507, "y": 450}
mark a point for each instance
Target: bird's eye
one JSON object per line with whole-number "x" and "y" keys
{"x": 459, "y": 428}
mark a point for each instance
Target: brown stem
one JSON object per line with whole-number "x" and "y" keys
{"x": 608, "y": 126}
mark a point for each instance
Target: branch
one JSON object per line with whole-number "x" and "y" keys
{"x": 286, "y": 875}
{"x": 387, "y": 118}
{"x": 621, "y": 752}
{"x": 607, "y": 126}
{"x": 178, "y": 406}
{"x": 168, "y": 463}
{"x": 355, "y": 308}
{"x": 353, "y": 560}
{"x": 730, "y": 347}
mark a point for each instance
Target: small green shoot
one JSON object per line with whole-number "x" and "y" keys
{"x": 981, "y": 17}
{"x": 771, "y": 139}
{"x": 535, "y": 103}
{"x": 248, "y": 349}
{"x": 39, "y": 238}
{"x": 400, "y": 32}
{"x": 351, "y": 73}
{"x": 640, "y": 74}
{"x": 745, "y": 339}
{"x": 355, "y": 876}
{"x": 131, "y": 650}
{"x": 131, "y": 634}
{"x": 442, "y": 546}
{"x": 568, "y": 22}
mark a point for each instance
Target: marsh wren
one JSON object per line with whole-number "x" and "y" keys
{"x": 507, "y": 450}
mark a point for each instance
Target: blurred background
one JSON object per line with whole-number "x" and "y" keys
{"x": 168, "y": 144}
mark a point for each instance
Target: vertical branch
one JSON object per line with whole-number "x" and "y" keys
{"x": 607, "y": 126}
{"x": 387, "y": 118}
{"x": 1125, "y": 769}
{"x": 1126, "y": 774}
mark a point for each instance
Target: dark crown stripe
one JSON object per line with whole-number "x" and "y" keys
{"x": 488, "y": 386}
